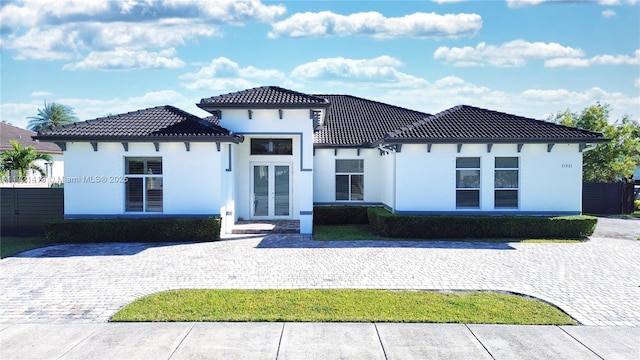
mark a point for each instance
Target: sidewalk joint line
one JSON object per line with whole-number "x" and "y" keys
{"x": 580, "y": 342}
{"x": 478, "y": 340}
{"x": 79, "y": 342}
{"x": 181, "y": 341}
{"x": 384, "y": 351}
{"x": 280, "y": 341}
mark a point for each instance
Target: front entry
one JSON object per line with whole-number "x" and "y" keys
{"x": 271, "y": 195}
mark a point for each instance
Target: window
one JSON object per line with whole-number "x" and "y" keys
{"x": 468, "y": 182}
{"x": 271, "y": 147}
{"x": 506, "y": 183}
{"x": 349, "y": 180}
{"x": 143, "y": 189}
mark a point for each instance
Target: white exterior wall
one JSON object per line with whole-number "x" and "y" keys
{"x": 549, "y": 182}
{"x": 324, "y": 190}
{"x": 295, "y": 124}
{"x": 191, "y": 179}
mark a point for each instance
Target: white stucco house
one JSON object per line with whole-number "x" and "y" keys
{"x": 54, "y": 169}
{"x": 273, "y": 153}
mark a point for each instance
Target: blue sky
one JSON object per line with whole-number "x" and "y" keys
{"x": 526, "y": 57}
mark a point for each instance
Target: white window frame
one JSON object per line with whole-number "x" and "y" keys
{"x": 350, "y": 177}
{"x": 478, "y": 189}
{"x": 497, "y": 189}
{"x": 147, "y": 179}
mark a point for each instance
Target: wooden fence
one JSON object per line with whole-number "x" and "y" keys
{"x": 23, "y": 210}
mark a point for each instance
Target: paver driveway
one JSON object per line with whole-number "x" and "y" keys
{"x": 596, "y": 282}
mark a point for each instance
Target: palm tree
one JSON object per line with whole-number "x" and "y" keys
{"x": 21, "y": 160}
{"x": 52, "y": 115}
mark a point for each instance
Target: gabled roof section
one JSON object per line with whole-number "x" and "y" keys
{"x": 153, "y": 124}
{"x": 264, "y": 97}
{"x": 354, "y": 121}
{"x": 465, "y": 123}
{"x": 23, "y": 137}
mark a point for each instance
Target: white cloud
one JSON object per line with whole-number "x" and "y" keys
{"x": 222, "y": 74}
{"x": 120, "y": 59}
{"x": 374, "y": 24}
{"x": 381, "y": 71}
{"x": 41, "y": 94}
{"x": 510, "y": 54}
{"x": 73, "y": 29}
{"x": 596, "y": 60}
{"x": 87, "y": 109}
{"x": 608, "y": 14}
{"x": 514, "y": 4}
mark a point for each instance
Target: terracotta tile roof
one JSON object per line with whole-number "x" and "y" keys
{"x": 9, "y": 133}
{"x": 472, "y": 124}
{"x": 270, "y": 96}
{"x": 153, "y": 123}
{"x": 353, "y": 121}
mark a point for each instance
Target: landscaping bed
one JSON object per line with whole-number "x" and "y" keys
{"x": 134, "y": 230}
{"x": 385, "y": 224}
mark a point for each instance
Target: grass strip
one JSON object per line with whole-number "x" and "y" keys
{"x": 365, "y": 232}
{"x": 342, "y": 305}
{"x": 11, "y": 245}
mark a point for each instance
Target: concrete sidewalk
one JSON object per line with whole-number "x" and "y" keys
{"x": 315, "y": 341}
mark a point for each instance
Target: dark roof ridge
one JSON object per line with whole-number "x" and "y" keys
{"x": 266, "y": 87}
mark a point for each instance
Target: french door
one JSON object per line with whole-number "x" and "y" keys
{"x": 271, "y": 190}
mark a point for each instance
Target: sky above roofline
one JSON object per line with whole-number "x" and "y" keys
{"x": 527, "y": 57}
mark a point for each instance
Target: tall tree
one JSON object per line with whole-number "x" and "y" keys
{"x": 52, "y": 115}
{"x": 22, "y": 160}
{"x": 615, "y": 159}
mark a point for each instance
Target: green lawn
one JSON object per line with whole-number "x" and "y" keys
{"x": 342, "y": 306}
{"x": 11, "y": 245}
{"x": 364, "y": 232}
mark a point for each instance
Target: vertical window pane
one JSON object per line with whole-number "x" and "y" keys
{"x": 468, "y": 198}
{"x": 506, "y": 199}
{"x": 133, "y": 190}
{"x": 506, "y": 179}
{"x": 357, "y": 188}
{"x": 154, "y": 194}
{"x": 342, "y": 187}
{"x": 467, "y": 178}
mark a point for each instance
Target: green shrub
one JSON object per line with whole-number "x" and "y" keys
{"x": 637, "y": 205}
{"x": 133, "y": 230}
{"x": 460, "y": 226}
{"x": 339, "y": 215}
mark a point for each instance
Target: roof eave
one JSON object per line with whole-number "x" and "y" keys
{"x": 173, "y": 138}
{"x": 343, "y": 146}
{"x": 393, "y": 140}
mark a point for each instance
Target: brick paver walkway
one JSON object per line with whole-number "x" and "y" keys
{"x": 596, "y": 282}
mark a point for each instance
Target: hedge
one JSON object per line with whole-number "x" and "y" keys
{"x": 133, "y": 230}
{"x": 461, "y": 227}
{"x": 339, "y": 215}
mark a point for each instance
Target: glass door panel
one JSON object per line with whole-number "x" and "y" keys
{"x": 281, "y": 185}
{"x": 261, "y": 190}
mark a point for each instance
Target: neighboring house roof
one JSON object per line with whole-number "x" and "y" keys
{"x": 9, "y": 133}
{"x": 353, "y": 121}
{"x": 465, "y": 123}
{"x": 153, "y": 124}
{"x": 264, "y": 97}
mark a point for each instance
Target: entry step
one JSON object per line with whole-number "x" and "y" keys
{"x": 267, "y": 227}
